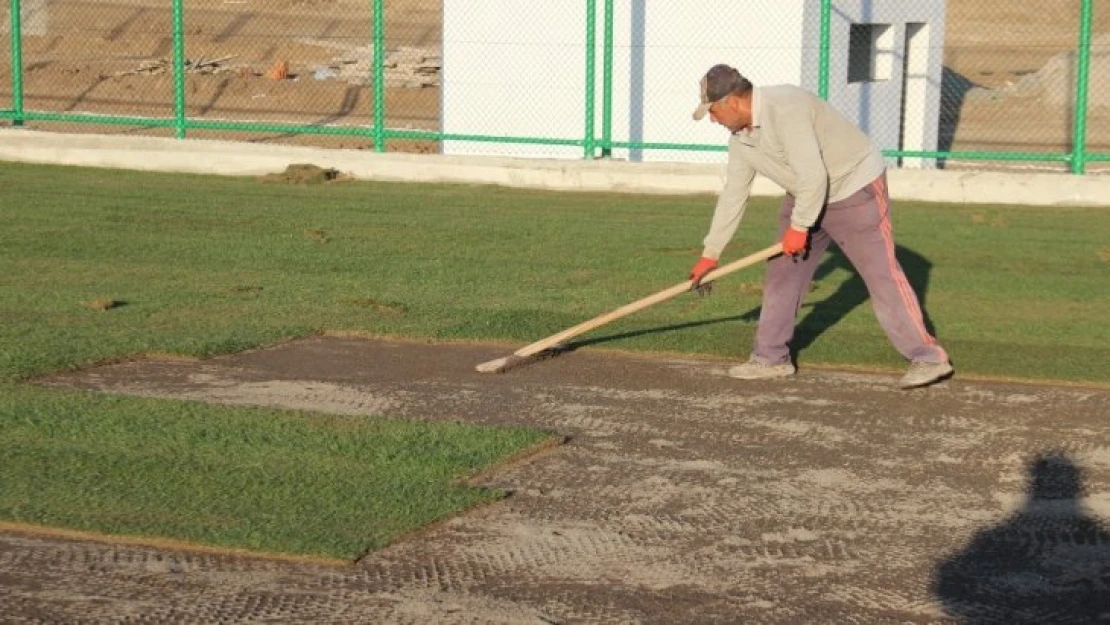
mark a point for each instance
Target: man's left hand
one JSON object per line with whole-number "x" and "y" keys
{"x": 794, "y": 241}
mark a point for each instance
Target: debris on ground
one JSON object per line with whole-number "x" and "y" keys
{"x": 1054, "y": 82}
{"x": 317, "y": 235}
{"x": 104, "y": 303}
{"x": 197, "y": 66}
{"x": 303, "y": 173}
{"x": 412, "y": 67}
{"x": 279, "y": 70}
{"x": 405, "y": 66}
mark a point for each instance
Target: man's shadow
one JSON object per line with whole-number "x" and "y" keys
{"x": 1048, "y": 563}
{"x": 822, "y": 315}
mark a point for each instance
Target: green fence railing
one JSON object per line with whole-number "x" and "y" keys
{"x": 16, "y": 114}
{"x": 375, "y": 122}
{"x": 1079, "y": 134}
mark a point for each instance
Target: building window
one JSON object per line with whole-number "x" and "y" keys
{"x": 870, "y": 52}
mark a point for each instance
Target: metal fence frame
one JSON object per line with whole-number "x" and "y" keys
{"x": 593, "y": 145}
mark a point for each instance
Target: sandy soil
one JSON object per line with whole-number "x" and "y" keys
{"x": 681, "y": 496}
{"x": 112, "y": 57}
{"x": 81, "y": 61}
{"x": 1011, "y": 77}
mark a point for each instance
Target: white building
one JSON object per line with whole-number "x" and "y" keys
{"x": 517, "y": 68}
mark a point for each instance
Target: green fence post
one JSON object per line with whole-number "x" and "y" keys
{"x": 179, "y": 68}
{"x": 379, "y": 75}
{"x": 591, "y": 75}
{"x": 823, "y": 66}
{"x": 1082, "y": 84}
{"x": 607, "y": 85}
{"x": 17, "y": 64}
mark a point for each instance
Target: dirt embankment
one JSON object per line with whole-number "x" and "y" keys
{"x": 1008, "y": 81}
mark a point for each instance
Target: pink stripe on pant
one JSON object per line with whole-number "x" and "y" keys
{"x": 860, "y": 227}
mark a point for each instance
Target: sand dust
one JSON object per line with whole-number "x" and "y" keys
{"x": 680, "y": 496}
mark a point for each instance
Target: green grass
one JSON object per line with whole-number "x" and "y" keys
{"x": 207, "y": 265}
{"x": 265, "y": 480}
{"x": 212, "y": 265}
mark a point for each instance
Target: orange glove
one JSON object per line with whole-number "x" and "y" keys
{"x": 794, "y": 241}
{"x": 704, "y": 266}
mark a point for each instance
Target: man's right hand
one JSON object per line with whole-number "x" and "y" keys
{"x": 704, "y": 266}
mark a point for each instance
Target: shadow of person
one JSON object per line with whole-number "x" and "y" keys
{"x": 823, "y": 314}
{"x": 573, "y": 345}
{"x": 851, "y": 293}
{"x": 1049, "y": 563}
{"x": 954, "y": 88}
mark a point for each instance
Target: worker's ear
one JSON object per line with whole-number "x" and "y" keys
{"x": 734, "y": 102}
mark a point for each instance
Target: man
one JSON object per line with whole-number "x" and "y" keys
{"x": 835, "y": 179}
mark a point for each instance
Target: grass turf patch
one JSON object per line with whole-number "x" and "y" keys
{"x": 100, "y": 265}
{"x": 205, "y": 265}
{"x": 266, "y": 480}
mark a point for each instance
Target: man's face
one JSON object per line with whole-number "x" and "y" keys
{"x": 729, "y": 112}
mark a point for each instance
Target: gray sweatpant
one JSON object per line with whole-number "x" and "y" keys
{"x": 860, "y": 226}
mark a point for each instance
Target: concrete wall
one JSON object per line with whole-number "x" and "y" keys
{"x": 244, "y": 159}
{"x": 513, "y": 68}
{"x": 518, "y": 68}
{"x": 662, "y": 49}
{"x": 912, "y": 88}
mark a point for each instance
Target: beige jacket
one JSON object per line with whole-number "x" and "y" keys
{"x": 803, "y": 144}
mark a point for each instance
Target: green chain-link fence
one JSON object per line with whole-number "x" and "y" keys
{"x": 949, "y": 83}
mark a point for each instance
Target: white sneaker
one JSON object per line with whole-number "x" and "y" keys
{"x": 924, "y": 373}
{"x": 755, "y": 370}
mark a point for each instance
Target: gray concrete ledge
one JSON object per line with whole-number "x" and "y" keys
{"x": 244, "y": 159}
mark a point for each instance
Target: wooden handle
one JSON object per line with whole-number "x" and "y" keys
{"x": 651, "y": 300}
